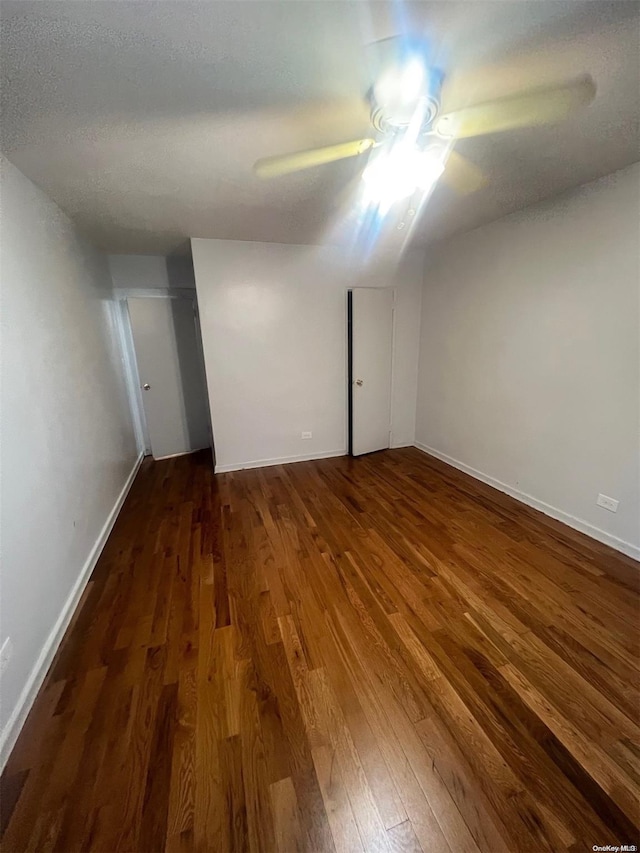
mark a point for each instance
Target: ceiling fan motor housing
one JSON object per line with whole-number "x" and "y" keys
{"x": 407, "y": 85}
{"x": 385, "y": 118}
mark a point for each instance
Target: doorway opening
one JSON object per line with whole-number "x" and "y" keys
{"x": 169, "y": 399}
{"x": 369, "y": 368}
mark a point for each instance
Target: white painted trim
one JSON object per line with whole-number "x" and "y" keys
{"x": 627, "y": 548}
{"x": 132, "y": 380}
{"x": 203, "y": 370}
{"x": 394, "y": 358}
{"x": 280, "y": 460}
{"x": 14, "y": 724}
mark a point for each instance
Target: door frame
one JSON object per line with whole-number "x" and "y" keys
{"x": 350, "y": 372}
{"x": 132, "y": 378}
{"x": 350, "y": 290}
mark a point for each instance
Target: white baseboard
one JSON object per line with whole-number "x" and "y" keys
{"x": 14, "y": 724}
{"x": 627, "y": 548}
{"x": 280, "y": 460}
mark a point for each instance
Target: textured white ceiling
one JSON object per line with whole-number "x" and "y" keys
{"x": 142, "y": 120}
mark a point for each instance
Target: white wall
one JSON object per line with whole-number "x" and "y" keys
{"x": 529, "y": 360}
{"x": 67, "y": 443}
{"x": 408, "y": 281}
{"x": 273, "y": 320}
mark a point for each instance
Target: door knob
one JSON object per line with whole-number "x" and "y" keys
{"x": 359, "y": 382}
{"x": 146, "y": 386}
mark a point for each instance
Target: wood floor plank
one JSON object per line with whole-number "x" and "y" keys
{"x": 344, "y": 829}
{"x": 403, "y": 839}
{"x": 348, "y": 654}
{"x": 286, "y": 817}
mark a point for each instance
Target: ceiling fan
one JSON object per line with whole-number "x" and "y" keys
{"x": 414, "y": 127}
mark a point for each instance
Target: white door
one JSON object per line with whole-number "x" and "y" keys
{"x": 371, "y": 347}
{"x": 171, "y": 374}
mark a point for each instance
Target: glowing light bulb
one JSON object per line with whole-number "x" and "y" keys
{"x": 401, "y": 84}
{"x": 429, "y": 166}
{"x": 398, "y": 173}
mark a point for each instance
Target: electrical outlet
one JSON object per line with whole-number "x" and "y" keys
{"x": 5, "y": 654}
{"x": 608, "y": 503}
{"x": 306, "y": 435}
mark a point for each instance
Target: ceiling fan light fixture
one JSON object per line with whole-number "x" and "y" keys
{"x": 429, "y": 167}
{"x": 406, "y": 83}
{"x": 403, "y": 84}
{"x": 397, "y": 174}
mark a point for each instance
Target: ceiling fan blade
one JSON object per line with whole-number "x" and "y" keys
{"x": 539, "y": 106}
{"x": 462, "y": 175}
{"x": 272, "y": 167}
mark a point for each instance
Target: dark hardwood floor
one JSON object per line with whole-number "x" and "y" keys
{"x": 378, "y": 654}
